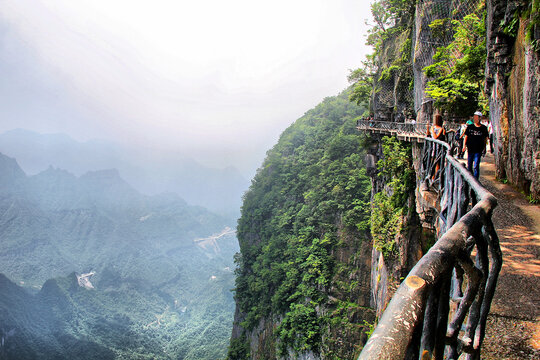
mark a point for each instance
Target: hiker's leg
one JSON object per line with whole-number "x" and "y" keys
{"x": 477, "y": 159}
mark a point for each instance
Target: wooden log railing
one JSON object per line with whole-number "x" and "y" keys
{"x": 440, "y": 310}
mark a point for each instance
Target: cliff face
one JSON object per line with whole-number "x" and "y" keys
{"x": 278, "y": 312}
{"x": 513, "y": 86}
{"x": 303, "y": 277}
{"x": 342, "y": 338}
{"x": 392, "y": 98}
{"x": 279, "y": 301}
{"x": 418, "y": 224}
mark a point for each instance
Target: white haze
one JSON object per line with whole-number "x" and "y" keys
{"x": 216, "y": 80}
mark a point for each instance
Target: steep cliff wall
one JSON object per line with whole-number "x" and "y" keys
{"x": 513, "y": 86}
{"x": 311, "y": 278}
{"x": 303, "y": 278}
{"x": 392, "y": 98}
{"x": 424, "y": 46}
{"x": 415, "y": 217}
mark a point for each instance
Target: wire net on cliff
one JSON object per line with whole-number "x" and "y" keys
{"x": 393, "y": 95}
{"x": 429, "y": 38}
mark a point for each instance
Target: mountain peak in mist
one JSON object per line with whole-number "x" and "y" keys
{"x": 108, "y": 183}
{"x": 149, "y": 171}
{"x": 10, "y": 171}
{"x": 52, "y": 171}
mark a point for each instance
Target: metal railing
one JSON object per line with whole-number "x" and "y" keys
{"x": 417, "y": 128}
{"x": 440, "y": 310}
{"x": 386, "y": 126}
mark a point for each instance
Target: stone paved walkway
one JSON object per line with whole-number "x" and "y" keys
{"x": 513, "y": 329}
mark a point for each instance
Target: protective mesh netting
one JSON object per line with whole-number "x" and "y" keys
{"x": 401, "y": 93}
{"x": 428, "y": 39}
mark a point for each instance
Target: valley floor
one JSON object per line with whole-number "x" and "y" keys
{"x": 513, "y": 329}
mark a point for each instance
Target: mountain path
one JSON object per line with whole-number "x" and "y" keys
{"x": 513, "y": 329}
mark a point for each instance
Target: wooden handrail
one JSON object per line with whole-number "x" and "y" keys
{"x": 418, "y": 322}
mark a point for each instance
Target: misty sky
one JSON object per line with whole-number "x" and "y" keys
{"x": 219, "y": 80}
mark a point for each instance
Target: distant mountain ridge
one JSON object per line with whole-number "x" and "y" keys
{"x": 11, "y": 172}
{"x": 96, "y": 200}
{"x": 149, "y": 171}
{"x": 146, "y": 260}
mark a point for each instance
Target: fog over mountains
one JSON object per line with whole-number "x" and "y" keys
{"x": 159, "y": 270}
{"x": 149, "y": 171}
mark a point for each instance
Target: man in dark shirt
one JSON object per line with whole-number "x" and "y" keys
{"x": 475, "y": 140}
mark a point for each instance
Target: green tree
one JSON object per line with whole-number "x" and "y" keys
{"x": 457, "y": 74}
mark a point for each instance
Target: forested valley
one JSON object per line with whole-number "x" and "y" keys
{"x": 92, "y": 269}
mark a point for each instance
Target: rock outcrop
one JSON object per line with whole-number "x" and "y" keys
{"x": 420, "y": 224}
{"x": 513, "y": 86}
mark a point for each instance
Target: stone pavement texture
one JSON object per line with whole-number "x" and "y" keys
{"x": 513, "y": 329}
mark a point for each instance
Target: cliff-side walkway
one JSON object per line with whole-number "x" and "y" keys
{"x": 455, "y": 280}
{"x": 513, "y": 330}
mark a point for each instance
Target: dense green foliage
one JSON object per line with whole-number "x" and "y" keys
{"x": 238, "y": 349}
{"x": 390, "y": 205}
{"x": 390, "y": 60}
{"x": 309, "y": 195}
{"x": 362, "y": 80}
{"x": 66, "y": 321}
{"x": 457, "y": 74}
{"x": 157, "y": 294}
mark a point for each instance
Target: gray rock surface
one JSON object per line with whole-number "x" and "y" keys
{"x": 512, "y": 74}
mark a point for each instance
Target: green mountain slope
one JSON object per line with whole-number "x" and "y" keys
{"x": 33, "y": 327}
{"x": 162, "y": 281}
{"x": 301, "y": 234}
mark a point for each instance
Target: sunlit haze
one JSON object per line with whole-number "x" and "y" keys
{"x": 215, "y": 80}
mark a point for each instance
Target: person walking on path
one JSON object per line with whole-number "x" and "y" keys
{"x": 475, "y": 141}
{"x": 438, "y": 132}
